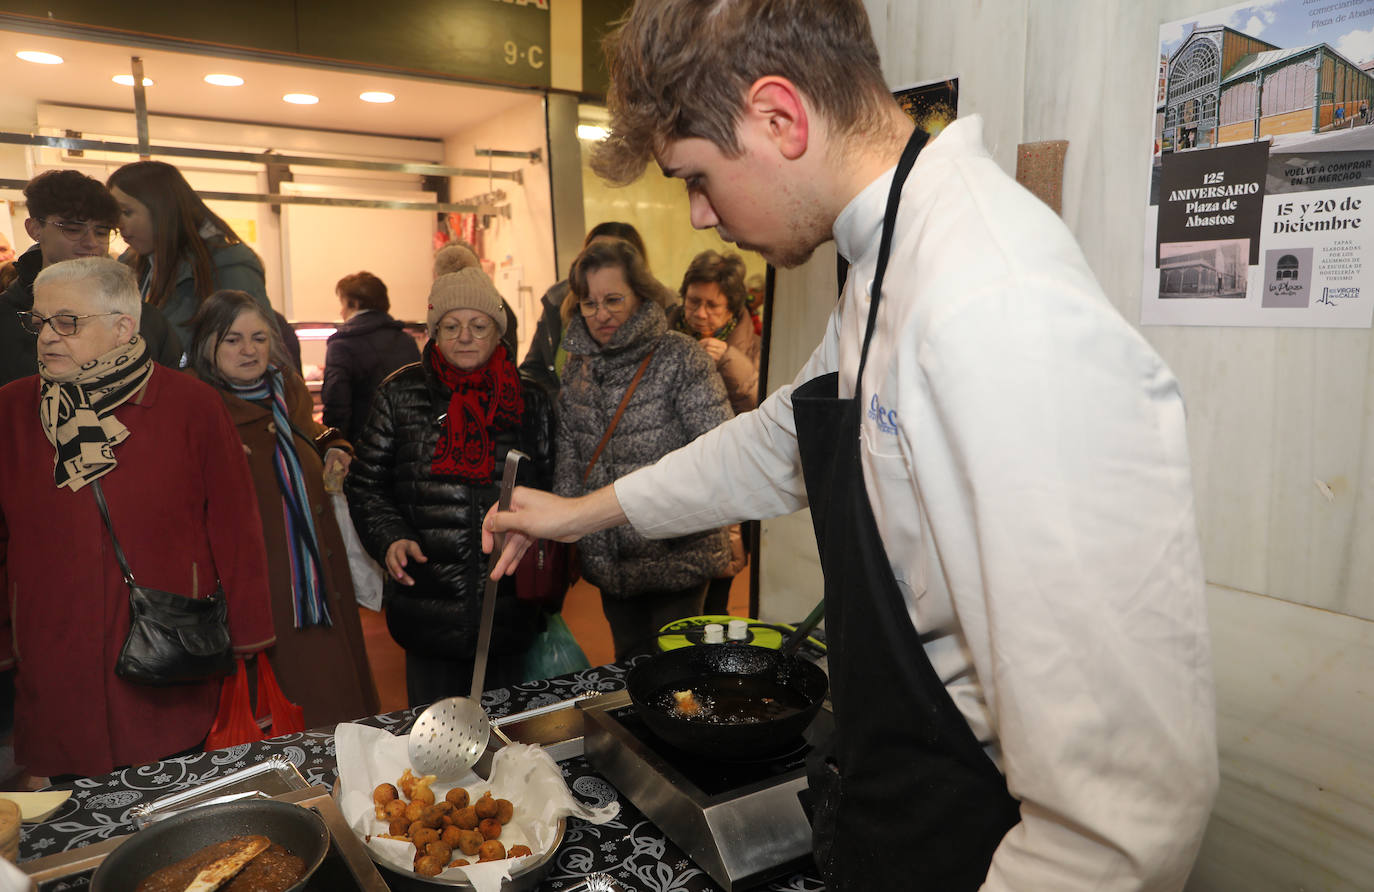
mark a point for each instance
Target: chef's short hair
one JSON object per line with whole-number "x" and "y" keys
{"x": 111, "y": 282}
{"x": 681, "y": 68}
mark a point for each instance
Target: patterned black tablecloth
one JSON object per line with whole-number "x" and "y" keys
{"x": 629, "y": 848}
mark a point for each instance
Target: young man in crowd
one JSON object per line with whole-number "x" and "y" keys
{"x": 71, "y": 215}
{"x": 995, "y": 463}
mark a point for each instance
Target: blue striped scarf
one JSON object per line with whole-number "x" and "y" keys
{"x": 302, "y": 543}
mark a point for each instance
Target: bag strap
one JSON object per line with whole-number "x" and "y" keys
{"x": 620, "y": 410}
{"x": 105, "y": 515}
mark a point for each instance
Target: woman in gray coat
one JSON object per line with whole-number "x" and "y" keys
{"x": 618, "y": 328}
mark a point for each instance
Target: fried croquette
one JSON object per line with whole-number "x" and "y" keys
{"x": 458, "y": 796}
{"x": 486, "y": 806}
{"x": 398, "y": 827}
{"x": 381, "y": 797}
{"x": 491, "y": 850}
{"x": 415, "y": 809}
{"x": 423, "y": 837}
{"x": 469, "y": 841}
{"x": 450, "y": 836}
{"x": 396, "y": 808}
{"x": 466, "y": 818}
{"x": 490, "y": 828}
{"x": 429, "y": 866}
{"x": 505, "y": 810}
{"x": 518, "y": 851}
{"x": 461, "y": 862}
{"x": 439, "y": 849}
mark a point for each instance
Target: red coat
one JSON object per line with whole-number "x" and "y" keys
{"x": 182, "y": 502}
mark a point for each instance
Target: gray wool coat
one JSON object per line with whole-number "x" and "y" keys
{"x": 680, "y": 397}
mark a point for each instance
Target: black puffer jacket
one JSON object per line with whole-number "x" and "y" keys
{"x": 392, "y": 495}
{"x": 679, "y": 398}
{"x": 358, "y": 357}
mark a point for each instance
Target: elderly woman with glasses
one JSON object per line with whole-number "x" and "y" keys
{"x": 428, "y": 464}
{"x": 632, "y": 392}
{"x": 320, "y": 658}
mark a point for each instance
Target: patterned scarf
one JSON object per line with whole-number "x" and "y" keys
{"x": 302, "y": 544}
{"x": 483, "y": 401}
{"x": 76, "y": 410}
{"x": 720, "y": 334}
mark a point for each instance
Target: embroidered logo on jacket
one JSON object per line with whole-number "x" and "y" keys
{"x": 886, "y": 418}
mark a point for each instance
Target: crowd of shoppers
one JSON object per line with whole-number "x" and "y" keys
{"x": 168, "y": 380}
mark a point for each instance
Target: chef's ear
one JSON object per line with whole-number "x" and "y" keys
{"x": 776, "y": 104}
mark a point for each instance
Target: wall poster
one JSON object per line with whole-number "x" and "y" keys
{"x": 1261, "y": 208}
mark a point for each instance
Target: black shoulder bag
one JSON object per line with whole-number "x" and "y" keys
{"x": 172, "y": 639}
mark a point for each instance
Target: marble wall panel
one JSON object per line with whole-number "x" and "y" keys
{"x": 1295, "y": 809}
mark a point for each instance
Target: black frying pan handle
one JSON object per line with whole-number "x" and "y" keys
{"x": 799, "y": 634}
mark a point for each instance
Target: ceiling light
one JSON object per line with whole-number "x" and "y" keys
{"x": 377, "y": 96}
{"x": 224, "y": 80}
{"x": 592, "y": 132}
{"x": 40, "y": 58}
{"x": 127, "y": 80}
{"x": 300, "y": 99}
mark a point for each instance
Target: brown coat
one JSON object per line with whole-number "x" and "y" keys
{"x": 324, "y": 669}
{"x": 739, "y": 364}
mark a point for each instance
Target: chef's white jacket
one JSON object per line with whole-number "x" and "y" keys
{"x": 1024, "y": 451}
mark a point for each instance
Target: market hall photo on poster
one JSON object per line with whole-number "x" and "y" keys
{"x": 1262, "y": 169}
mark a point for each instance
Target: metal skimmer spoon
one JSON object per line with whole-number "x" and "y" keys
{"x": 450, "y": 736}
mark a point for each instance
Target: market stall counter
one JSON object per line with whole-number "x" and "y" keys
{"x": 632, "y": 849}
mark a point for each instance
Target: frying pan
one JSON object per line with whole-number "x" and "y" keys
{"x": 298, "y": 829}
{"x": 688, "y": 666}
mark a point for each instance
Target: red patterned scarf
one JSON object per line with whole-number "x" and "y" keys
{"x": 482, "y": 402}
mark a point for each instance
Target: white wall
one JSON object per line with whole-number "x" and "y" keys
{"x": 301, "y": 266}
{"x": 521, "y": 247}
{"x": 1290, "y": 572}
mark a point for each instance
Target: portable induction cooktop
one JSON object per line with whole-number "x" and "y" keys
{"x": 740, "y": 821}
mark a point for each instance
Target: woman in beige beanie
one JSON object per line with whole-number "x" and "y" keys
{"x": 427, "y": 467}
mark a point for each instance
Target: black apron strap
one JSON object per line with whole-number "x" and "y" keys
{"x": 905, "y": 796}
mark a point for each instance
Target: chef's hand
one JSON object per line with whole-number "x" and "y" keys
{"x": 715, "y": 347}
{"x": 535, "y": 514}
{"x": 400, "y": 553}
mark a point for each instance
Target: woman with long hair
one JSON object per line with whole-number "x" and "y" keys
{"x": 180, "y": 250}
{"x": 619, "y": 335}
{"x": 319, "y": 657}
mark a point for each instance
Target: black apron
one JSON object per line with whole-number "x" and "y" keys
{"x": 906, "y": 798}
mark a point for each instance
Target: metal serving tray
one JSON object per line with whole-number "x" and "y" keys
{"x": 273, "y": 777}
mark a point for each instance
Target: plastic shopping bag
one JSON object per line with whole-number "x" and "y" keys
{"x": 233, "y": 723}
{"x": 554, "y": 652}
{"x": 367, "y": 575}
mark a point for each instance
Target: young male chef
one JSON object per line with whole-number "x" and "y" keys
{"x": 994, "y": 459}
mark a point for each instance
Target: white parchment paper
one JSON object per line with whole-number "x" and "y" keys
{"x": 524, "y": 774}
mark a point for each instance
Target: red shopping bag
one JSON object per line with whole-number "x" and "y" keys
{"x": 233, "y": 723}
{"x": 274, "y": 710}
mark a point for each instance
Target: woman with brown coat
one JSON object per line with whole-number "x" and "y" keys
{"x": 319, "y": 658}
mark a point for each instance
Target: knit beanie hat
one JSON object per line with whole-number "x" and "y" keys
{"x": 467, "y": 289}
{"x": 453, "y": 257}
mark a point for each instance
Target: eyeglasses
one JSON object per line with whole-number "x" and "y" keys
{"x": 77, "y": 231}
{"x": 480, "y": 330}
{"x": 692, "y": 304}
{"x": 614, "y": 304}
{"x": 62, "y": 323}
